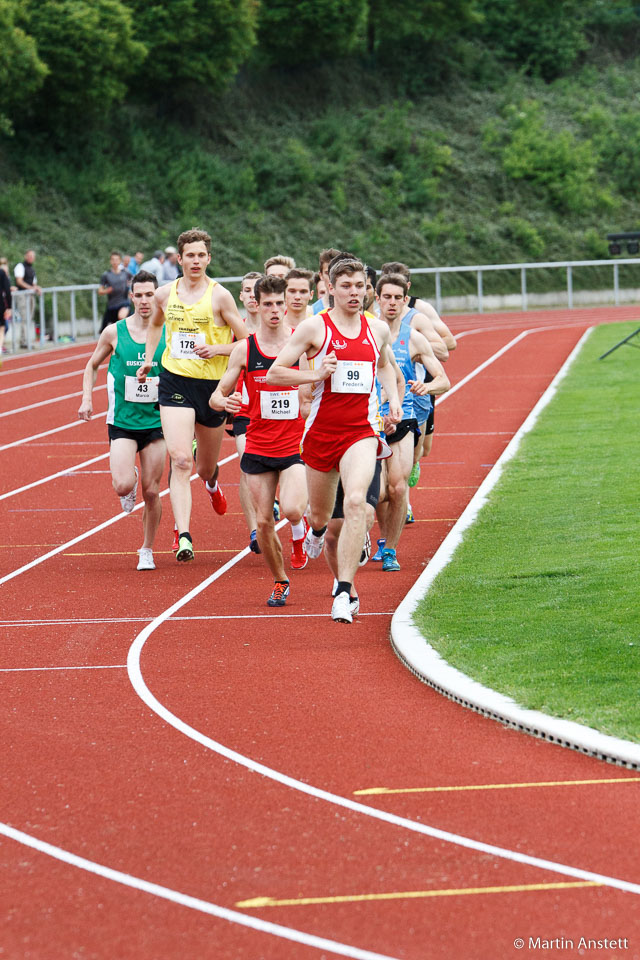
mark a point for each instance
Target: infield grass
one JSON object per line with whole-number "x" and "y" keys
{"x": 541, "y": 600}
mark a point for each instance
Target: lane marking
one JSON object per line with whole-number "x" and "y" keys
{"x": 48, "y": 363}
{"x": 47, "y": 433}
{"x": 129, "y": 553}
{"x": 193, "y": 903}
{"x": 218, "y": 616}
{"x": 139, "y": 685}
{"x": 259, "y": 902}
{"x": 110, "y": 666}
{"x": 39, "y": 383}
{"x": 90, "y": 533}
{"x": 46, "y": 403}
{"x": 386, "y": 791}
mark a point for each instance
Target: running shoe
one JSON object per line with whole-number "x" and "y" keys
{"x": 218, "y": 499}
{"x": 276, "y": 510}
{"x": 377, "y": 557}
{"x": 279, "y": 595}
{"x": 410, "y": 516}
{"x": 299, "y": 558}
{"x": 414, "y": 476}
{"x": 194, "y": 447}
{"x": 366, "y": 550}
{"x": 185, "y": 550}
{"x": 145, "y": 561}
{"x": 341, "y": 608}
{"x": 128, "y": 502}
{"x": 389, "y": 560}
{"x": 313, "y": 545}
{"x": 254, "y": 546}
{"x": 354, "y": 602}
{"x": 176, "y": 540}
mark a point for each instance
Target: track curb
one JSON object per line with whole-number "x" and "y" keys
{"x": 425, "y": 662}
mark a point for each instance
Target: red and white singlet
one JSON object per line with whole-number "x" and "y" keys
{"x": 275, "y": 425}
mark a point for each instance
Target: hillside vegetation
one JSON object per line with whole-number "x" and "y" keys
{"x": 489, "y": 154}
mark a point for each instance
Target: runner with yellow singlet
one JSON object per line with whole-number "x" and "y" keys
{"x": 200, "y": 318}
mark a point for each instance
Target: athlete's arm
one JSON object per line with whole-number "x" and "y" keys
{"x": 422, "y": 352}
{"x": 223, "y": 398}
{"x": 225, "y": 305}
{"x": 439, "y": 325}
{"x": 389, "y": 381}
{"x": 423, "y": 324}
{"x": 154, "y": 331}
{"x": 305, "y": 391}
{"x": 307, "y": 338}
{"x": 104, "y": 347}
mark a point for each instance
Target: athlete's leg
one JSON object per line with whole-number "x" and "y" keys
{"x": 293, "y": 493}
{"x": 243, "y": 490}
{"x": 152, "y": 461}
{"x": 262, "y": 487}
{"x": 322, "y": 488}
{"x": 356, "y": 472}
{"x": 419, "y": 449}
{"x": 122, "y": 461}
{"x": 207, "y": 452}
{"x": 331, "y": 544}
{"x": 177, "y": 426}
{"x": 398, "y": 470}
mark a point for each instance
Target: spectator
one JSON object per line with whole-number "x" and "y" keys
{"x": 170, "y": 268}
{"x": 155, "y": 265}
{"x": 26, "y": 280}
{"x": 5, "y": 301}
{"x": 134, "y": 264}
{"x": 114, "y": 285}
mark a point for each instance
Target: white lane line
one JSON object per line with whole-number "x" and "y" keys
{"x": 47, "y": 363}
{"x": 90, "y": 533}
{"x": 141, "y": 688}
{"x": 54, "y": 476}
{"x": 45, "y": 403}
{"x": 193, "y": 903}
{"x": 221, "y": 616}
{"x": 39, "y": 383}
{"x": 110, "y": 666}
{"x": 47, "y": 433}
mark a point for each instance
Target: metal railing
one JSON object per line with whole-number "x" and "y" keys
{"x": 40, "y": 318}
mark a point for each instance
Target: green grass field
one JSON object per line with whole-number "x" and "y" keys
{"x": 540, "y": 602}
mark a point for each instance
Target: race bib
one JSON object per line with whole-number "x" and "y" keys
{"x": 279, "y": 404}
{"x": 352, "y": 376}
{"x": 183, "y": 345}
{"x": 137, "y": 392}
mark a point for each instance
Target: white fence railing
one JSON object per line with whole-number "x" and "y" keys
{"x": 54, "y": 316}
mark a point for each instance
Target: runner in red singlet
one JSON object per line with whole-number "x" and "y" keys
{"x": 345, "y": 350}
{"x": 274, "y": 431}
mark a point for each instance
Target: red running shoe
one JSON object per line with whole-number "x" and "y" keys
{"x": 218, "y": 499}
{"x": 176, "y": 540}
{"x": 299, "y": 558}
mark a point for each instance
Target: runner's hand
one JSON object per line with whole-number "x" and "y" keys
{"x": 86, "y": 409}
{"x": 419, "y": 388}
{"x": 206, "y": 351}
{"x": 233, "y": 403}
{"x": 388, "y": 426}
{"x": 395, "y": 412}
{"x": 142, "y": 371}
{"x": 328, "y": 366}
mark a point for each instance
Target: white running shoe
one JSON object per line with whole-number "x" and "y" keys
{"x": 313, "y": 545}
{"x": 129, "y": 501}
{"x": 341, "y": 609}
{"x": 366, "y": 550}
{"x": 145, "y": 561}
{"x": 354, "y": 605}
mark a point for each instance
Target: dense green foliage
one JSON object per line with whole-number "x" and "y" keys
{"x": 540, "y": 599}
{"x": 434, "y": 144}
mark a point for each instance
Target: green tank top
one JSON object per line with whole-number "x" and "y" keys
{"x": 132, "y": 405}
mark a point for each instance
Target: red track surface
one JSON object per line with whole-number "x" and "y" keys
{"x": 92, "y": 770}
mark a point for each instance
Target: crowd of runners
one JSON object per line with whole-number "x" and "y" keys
{"x": 330, "y": 403}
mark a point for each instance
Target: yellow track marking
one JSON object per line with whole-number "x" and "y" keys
{"x": 384, "y": 791}
{"x": 257, "y": 902}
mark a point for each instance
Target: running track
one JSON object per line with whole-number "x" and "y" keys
{"x": 207, "y": 801}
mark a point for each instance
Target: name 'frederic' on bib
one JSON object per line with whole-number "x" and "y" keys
{"x": 352, "y": 376}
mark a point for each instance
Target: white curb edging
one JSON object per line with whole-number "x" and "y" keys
{"x": 426, "y": 663}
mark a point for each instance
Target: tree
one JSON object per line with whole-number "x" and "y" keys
{"x": 22, "y": 72}
{"x": 89, "y": 49}
{"x": 193, "y": 43}
{"x": 291, "y": 32}
{"x": 393, "y": 23}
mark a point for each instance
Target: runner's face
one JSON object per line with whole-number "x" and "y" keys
{"x": 194, "y": 260}
{"x": 247, "y": 296}
{"x": 271, "y": 309}
{"x": 349, "y": 291}
{"x": 277, "y": 270}
{"x": 369, "y": 295}
{"x": 297, "y": 295}
{"x": 392, "y": 301}
{"x": 142, "y": 296}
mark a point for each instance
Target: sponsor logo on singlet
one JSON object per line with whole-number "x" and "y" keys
{"x": 177, "y": 398}
{"x": 339, "y": 344}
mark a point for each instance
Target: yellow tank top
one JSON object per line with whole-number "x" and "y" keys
{"x": 188, "y": 325}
